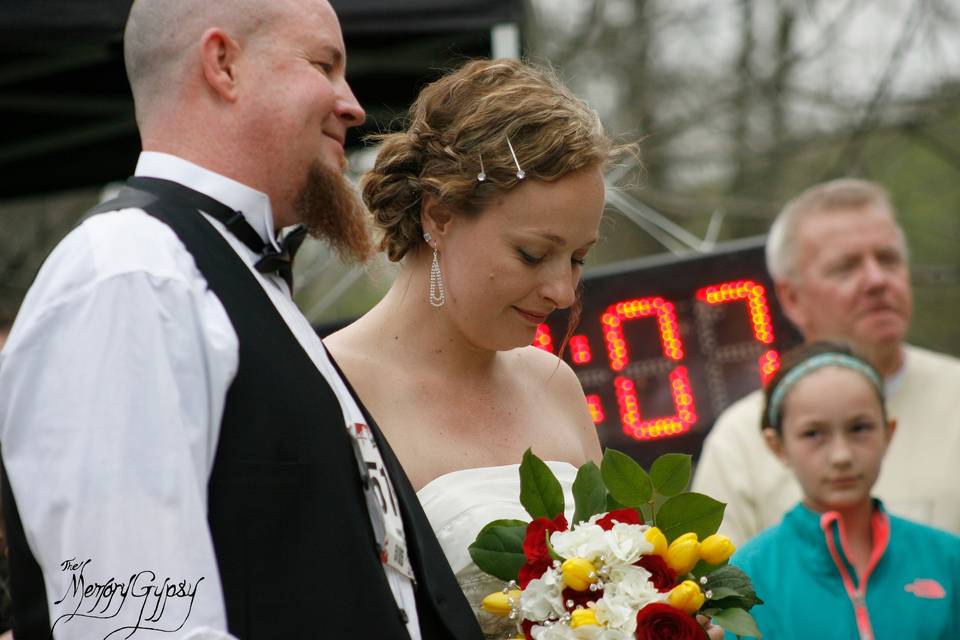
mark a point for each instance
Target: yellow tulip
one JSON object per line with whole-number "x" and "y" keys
{"x": 501, "y": 603}
{"x": 583, "y": 618}
{"x": 686, "y": 596}
{"x": 578, "y": 573}
{"x": 659, "y": 541}
{"x": 683, "y": 553}
{"x": 716, "y": 549}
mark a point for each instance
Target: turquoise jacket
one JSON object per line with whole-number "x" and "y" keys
{"x": 811, "y": 592}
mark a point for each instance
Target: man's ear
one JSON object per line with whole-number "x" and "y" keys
{"x": 775, "y": 443}
{"x": 788, "y": 295}
{"x": 435, "y": 217}
{"x": 219, "y": 53}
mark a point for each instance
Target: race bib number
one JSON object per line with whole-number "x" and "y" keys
{"x": 380, "y": 493}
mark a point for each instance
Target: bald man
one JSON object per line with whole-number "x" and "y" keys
{"x": 182, "y": 459}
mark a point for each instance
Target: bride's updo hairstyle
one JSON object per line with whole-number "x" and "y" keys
{"x": 466, "y": 117}
{"x": 468, "y": 114}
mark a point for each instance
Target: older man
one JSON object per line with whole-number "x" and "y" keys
{"x": 183, "y": 459}
{"x": 839, "y": 260}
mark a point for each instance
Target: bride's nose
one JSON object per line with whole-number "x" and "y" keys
{"x": 559, "y": 286}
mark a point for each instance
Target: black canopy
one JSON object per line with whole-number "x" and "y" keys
{"x": 65, "y": 107}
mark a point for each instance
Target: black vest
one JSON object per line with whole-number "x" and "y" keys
{"x": 286, "y": 509}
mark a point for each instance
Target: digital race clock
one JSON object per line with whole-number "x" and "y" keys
{"x": 665, "y": 344}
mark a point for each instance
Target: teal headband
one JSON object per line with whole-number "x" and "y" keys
{"x": 809, "y": 366}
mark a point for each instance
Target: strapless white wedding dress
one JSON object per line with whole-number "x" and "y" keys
{"x": 460, "y": 503}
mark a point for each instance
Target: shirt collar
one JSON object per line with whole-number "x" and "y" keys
{"x": 253, "y": 204}
{"x": 893, "y": 382}
{"x": 804, "y": 522}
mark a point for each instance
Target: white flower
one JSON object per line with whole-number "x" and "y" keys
{"x": 623, "y": 543}
{"x": 553, "y": 632}
{"x": 616, "y": 612}
{"x": 583, "y": 541}
{"x": 627, "y": 590}
{"x": 543, "y": 597}
{"x": 563, "y": 632}
{"x": 626, "y": 543}
{"x": 633, "y": 583}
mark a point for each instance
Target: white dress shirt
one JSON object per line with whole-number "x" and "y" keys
{"x": 112, "y": 389}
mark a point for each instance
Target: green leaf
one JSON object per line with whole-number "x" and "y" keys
{"x": 729, "y": 576}
{"x": 589, "y": 494}
{"x": 690, "y": 512}
{"x": 703, "y": 568}
{"x": 626, "y": 480}
{"x": 504, "y": 523}
{"x": 613, "y": 505}
{"x": 540, "y": 491}
{"x": 735, "y": 602}
{"x": 498, "y": 550}
{"x": 646, "y": 513}
{"x": 719, "y": 593}
{"x": 670, "y": 473}
{"x": 553, "y": 553}
{"x": 737, "y": 621}
{"x": 731, "y": 587}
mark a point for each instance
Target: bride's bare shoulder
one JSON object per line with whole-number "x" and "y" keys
{"x": 556, "y": 384}
{"x": 353, "y": 349}
{"x": 544, "y": 369}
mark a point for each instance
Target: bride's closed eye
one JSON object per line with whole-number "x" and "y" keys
{"x": 534, "y": 260}
{"x": 528, "y": 258}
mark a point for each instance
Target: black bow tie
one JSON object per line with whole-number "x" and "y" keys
{"x": 282, "y": 261}
{"x": 271, "y": 260}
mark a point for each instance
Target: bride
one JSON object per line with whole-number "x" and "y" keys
{"x": 490, "y": 202}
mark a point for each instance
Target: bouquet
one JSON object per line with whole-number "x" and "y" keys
{"x": 640, "y": 560}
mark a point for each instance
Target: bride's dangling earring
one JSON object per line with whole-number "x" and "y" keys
{"x": 437, "y": 295}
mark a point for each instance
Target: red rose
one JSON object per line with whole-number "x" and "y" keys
{"x": 660, "y": 621}
{"x": 535, "y": 542}
{"x": 535, "y": 548}
{"x": 626, "y": 516}
{"x": 662, "y": 576}
{"x": 531, "y": 571}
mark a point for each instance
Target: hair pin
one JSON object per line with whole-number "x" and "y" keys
{"x": 520, "y": 173}
{"x": 483, "y": 172}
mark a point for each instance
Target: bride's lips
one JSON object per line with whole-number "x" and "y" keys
{"x": 532, "y": 316}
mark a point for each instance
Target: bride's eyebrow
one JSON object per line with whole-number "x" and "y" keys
{"x": 555, "y": 239}
{"x": 545, "y": 235}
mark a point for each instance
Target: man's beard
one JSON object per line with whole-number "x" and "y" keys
{"x": 331, "y": 210}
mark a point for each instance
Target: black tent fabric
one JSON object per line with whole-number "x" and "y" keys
{"x": 26, "y": 23}
{"x": 66, "y": 108}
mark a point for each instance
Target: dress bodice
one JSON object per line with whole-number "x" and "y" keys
{"x": 458, "y": 504}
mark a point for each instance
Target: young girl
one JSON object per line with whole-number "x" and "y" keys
{"x": 838, "y": 565}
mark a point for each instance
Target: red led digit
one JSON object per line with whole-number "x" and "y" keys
{"x": 625, "y": 388}
{"x": 580, "y": 350}
{"x": 629, "y": 405}
{"x": 634, "y": 309}
{"x": 542, "y": 338}
{"x": 760, "y": 321}
{"x": 769, "y": 363}
{"x": 596, "y": 408}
